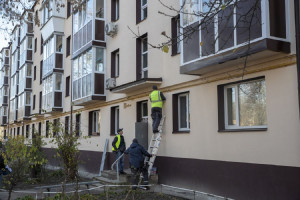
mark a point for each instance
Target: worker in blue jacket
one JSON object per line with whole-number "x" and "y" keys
{"x": 137, "y": 155}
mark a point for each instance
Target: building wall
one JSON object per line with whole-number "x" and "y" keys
{"x": 231, "y": 164}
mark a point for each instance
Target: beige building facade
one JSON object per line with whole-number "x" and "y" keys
{"x": 229, "y": 130}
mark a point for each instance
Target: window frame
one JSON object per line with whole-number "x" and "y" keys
{"x": 117, "y": 64}
{"x": 223, "y": 110}
{"x": 114, "y": 120}
{"x": 187, "y": 112}
{"x": 144, "y": 7}
{"x": 96, "y": 114}
{"x": 143, "y": 52}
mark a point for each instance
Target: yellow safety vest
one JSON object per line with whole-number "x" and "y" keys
{"x": 117, "y": 143}
{"x": 155, "y": 99}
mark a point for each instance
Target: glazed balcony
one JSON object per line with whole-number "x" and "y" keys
{"x": 52, "y": 93}
{"x": 26, "y": 50}
{"x": 3, "y": 118}
{"x": 24, "y": 106}
{"x": 257, "y": 29}
{"x": 89, "y": 77}
{"x": 88, "y": 26}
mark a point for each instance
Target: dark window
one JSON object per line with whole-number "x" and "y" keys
{"x": 181, "y": 113}
{"x": 42, "y": 41}
{"x": 77, "y": 129}
{"x": 115, "y": 63}
{"x": 15, "y": 132}
{"x": 5, "y": 136}
{"x": 36, "y": 15}
{"x": 35, "y": 44}
{"x": 40, "y": 103}
{"x": 94, "y": 122}
{"x": 242, "y": 105}
{"x": 142, "y": 111}
{"x": 68, "y": 86}
{"x": 142, "y": 57}
{"x": 18, "y": 131}
{"x": 33, "y": 103}
{"x": 68, "y": 9}
{"x": 40, "y": 128}
{"x": 68, "y": 50}
{"x": 33, "y": 131}
{"x": 34, "y": 73}
{"x": 67, "y": 122}
{"x": 55, "y": 127}
{"x": 27, "y": 131}
{"x": 47, "y": 128}
{"x": 141, "y": 10}
{"x": 115, "y": 10}
{"x": 175, "y": 26}
{"x": 41, "y": 72}
{"x": 114, "y": 119}
{"x": 23, "y": 130}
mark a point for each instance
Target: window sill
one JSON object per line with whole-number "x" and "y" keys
{"x": 141, "y": 21}
{"x": 243, "y": 130}
{"x": 179, "y": 132}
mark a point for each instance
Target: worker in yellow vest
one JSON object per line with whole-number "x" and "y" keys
{"x": 156, "y": 98}
{"x": 118, "y": 147}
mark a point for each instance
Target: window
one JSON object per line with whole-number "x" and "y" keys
{"x": 68, "y": 9}
{"x": 56, "y": 127}
{"x": 23, "y": 130}
{"x": 144, "y": 58}
{"x": 47, "y": 11}
{"x": 35, "y": 45}
{"x": 68, "y": 51}
{"x": 33, "y": 131}
{"x": 190, "y": 6}
{"x": 114, "y": 120}
{"x": 68, "y": 86}
{"x": 115, "y": 10}
{"x": 99, "y": 60}
{"x": 40, "y": 128}
{"x": 142, "y": 111}
{"x": 82, "y": 84}
{"x": 40, "y": 103}
{"x": 52, "y": 46}
{"x": 242, "y": 105}
{"x": 181, "y": 112}
{"x": 144, "y": 9}
{"x": 42, "y": 42}
{"x": 47, "y": 128}
{"x": 18, "y": 131}
{"x": 67, "y": 124}
{"x": 175, "y": 25}
{"x": 77, "y": 128}
{"x": 33, "y": 106}
{"x": 34, "y": 73}
{"x": 115, "y": 64}
{"x": 94, "y": 122}
{"x": 27, "y": 131}
{"x": 99, "y": 8}
{"x": 41, "y": 72}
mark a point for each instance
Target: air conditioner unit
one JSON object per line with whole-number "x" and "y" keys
{"x": 110, "y": 83}
{"x": 111, "y": 29}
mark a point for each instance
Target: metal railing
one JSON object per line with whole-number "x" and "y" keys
{"x": 117, "y": 162}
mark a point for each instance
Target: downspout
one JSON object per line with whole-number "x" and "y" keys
{"x": 297, "y": 28}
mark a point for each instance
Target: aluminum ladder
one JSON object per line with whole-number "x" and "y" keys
{"x": 153, "y": 147}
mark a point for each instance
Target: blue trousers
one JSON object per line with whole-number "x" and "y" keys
{"x": 121, "y": 161}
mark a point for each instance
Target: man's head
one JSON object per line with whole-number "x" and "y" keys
{"x": 154, "y": 87}
{"x": 135, "y": 140}
{"x": 120, "y": 131}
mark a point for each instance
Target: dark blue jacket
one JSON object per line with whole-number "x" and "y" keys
{"x": 136, "y": 155}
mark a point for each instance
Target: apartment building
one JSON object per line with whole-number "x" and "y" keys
{"x": 230, "y": 130}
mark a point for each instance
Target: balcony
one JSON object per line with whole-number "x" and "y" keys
{"x": 53, "y": 55}
{"x": 52, "y": 19}
{"x": 89, "y": 77}
{"x": 52, "y": 93}
{"x": 24, "y": 106}
{"x": 88, "y": 26}
{"x": 26, "y": 51}
{"x": 26, "y": 27}
{"x": 3, "y": 118}
{"x": 248, "y": 29}
{"x": 4, "y": 96}
{"x": 13, "y": 110}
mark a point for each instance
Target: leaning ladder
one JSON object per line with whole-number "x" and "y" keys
{"x": 154, "y": 146}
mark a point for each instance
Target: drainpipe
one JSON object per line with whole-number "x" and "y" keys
{"x": 297, "y": 28}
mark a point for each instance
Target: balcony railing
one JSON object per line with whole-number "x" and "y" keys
{"x": 224, "y": 36}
